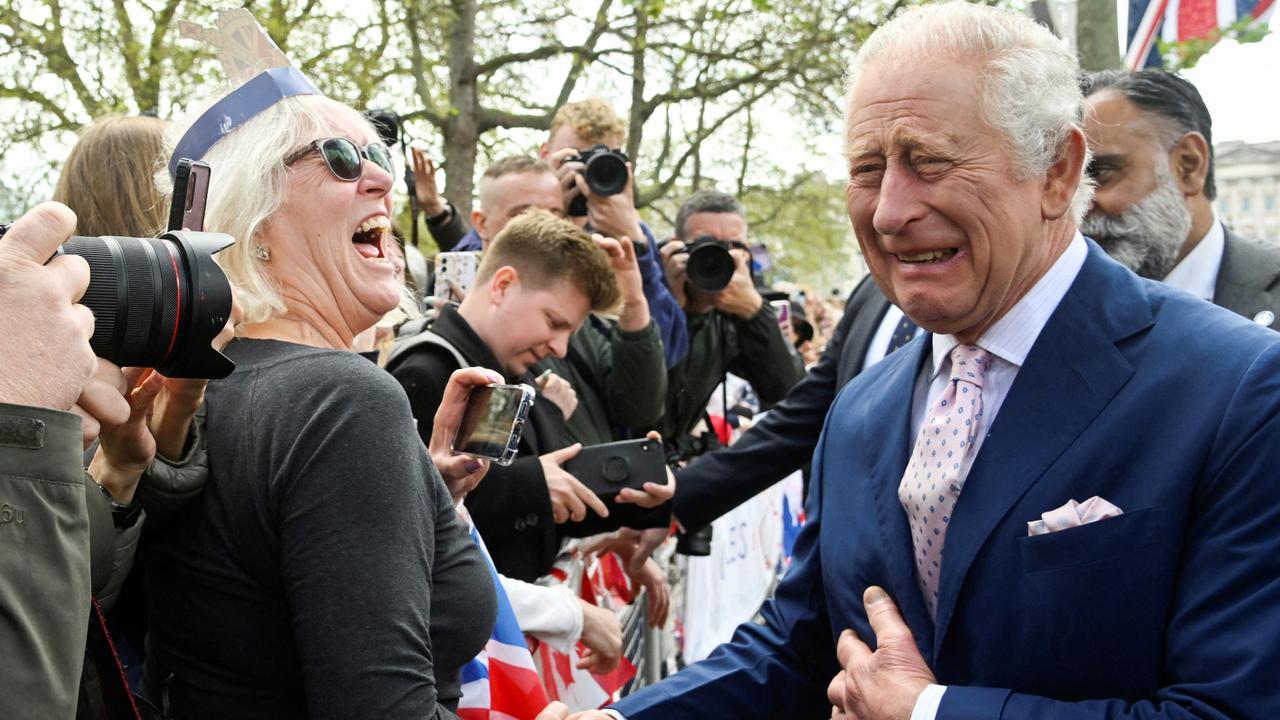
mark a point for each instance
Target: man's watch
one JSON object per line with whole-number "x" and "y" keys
{"x": 122, "y": 516}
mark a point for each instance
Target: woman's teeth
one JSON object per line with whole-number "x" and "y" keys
{"x": 380, "y": 222}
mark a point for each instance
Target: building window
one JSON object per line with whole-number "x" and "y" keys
{"x": 1246, "y": 204}
{"x": 1269, "y": 202}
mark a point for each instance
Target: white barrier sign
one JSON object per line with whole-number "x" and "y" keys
{"x": 726, "y": 588}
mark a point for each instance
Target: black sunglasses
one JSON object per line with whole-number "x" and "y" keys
{"x": 344, "y": 158}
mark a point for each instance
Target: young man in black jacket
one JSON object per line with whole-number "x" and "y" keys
{"x": 538, "y": 280}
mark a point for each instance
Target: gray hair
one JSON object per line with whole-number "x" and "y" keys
{"x": 707, "y": 201}
{"x": 1029, "y": 88}
{"x": 248, "y": 186}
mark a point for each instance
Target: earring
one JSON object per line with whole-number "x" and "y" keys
{"x": 261, "y": 252}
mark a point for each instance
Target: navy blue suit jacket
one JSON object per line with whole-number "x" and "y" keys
{"x": 1165, "y": 405}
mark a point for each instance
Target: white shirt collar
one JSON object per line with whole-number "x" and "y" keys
{"x": 1012, "y": 336}
{"x": 1197, "y": 273}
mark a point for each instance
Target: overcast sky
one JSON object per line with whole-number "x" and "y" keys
{"x": 1241, "y": 86}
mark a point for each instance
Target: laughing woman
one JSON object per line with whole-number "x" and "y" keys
{"x": 323, "y": 572}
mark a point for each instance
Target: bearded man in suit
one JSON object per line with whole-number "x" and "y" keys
{"x": 1060, "y": 501}
{"x": 1152, "y": 142}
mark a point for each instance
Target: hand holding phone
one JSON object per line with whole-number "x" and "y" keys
{"x": 493, "y": 421}
{"x": 621, "y": 469}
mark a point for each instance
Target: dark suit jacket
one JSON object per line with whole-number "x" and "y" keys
{"x": 783, "y": 441}
{"x": 1249, "y": 278}
{"x": 1165, "y": 405}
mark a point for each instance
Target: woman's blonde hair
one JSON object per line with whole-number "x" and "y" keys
{"x": 108, "y": 179}
{"x": 248, "y": 183}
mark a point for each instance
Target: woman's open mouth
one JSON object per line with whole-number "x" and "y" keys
{"x": 368, "y": 238}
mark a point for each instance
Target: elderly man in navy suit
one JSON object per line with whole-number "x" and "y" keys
{"x": 1059, "y": 502}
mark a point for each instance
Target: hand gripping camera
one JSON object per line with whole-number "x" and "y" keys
{"x": 605, "y": 173}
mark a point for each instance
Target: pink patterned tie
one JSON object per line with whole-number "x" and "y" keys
{"x": 935, "y": 473}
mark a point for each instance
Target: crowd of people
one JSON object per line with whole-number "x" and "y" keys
{"x": 1062, "y": 368}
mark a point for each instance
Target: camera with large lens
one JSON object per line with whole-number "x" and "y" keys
{"x": 605, "y": 173}
{"x": 711, "y": 265}
{"x": 157, "y": 302}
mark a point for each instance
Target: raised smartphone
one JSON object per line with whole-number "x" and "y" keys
{"x": 493, "y": 421}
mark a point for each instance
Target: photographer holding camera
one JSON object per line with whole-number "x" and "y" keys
{"x": 597, "y": 182}
{"x": 731, "y": 328}
{"x": 69, "y": 534}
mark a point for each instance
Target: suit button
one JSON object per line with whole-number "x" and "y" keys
{"x": 520, "y": 525}
{"x": 531, "y": 520}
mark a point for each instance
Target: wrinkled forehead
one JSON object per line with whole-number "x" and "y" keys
{"x": 919, "y": 104}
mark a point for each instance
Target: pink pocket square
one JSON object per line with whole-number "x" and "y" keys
{"x": 1073, "y": 514}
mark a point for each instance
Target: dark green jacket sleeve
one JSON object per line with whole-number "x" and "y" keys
{"x": 636, "y": 381}
{"x": 449, "y": 231}
{"x": 45, "y": 581}
{"x": 761, "y": 355}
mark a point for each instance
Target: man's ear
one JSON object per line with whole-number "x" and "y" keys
{"x": 478, "y": 222}
{"x": 1064, "y": 176}
{"x": 1189, "y": 162}
{"x": 542, "y": 152}
{"x": 503, "y": 282}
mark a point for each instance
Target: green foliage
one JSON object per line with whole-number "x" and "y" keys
{"x": 1185, "y": 54}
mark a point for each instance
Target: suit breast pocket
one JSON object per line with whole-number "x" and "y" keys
{"x": 1092, "y": 543}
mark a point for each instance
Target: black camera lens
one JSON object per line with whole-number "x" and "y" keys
{"x": 606, "y": 173}
{"x": 157, "y": 302}
{"x": 710, "y": 265}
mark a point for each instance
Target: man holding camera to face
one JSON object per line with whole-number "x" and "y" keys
{"x": 731, "y": 327}
{"x": 597, "y": 181}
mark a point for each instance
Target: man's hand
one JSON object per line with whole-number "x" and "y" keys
{"x": 612, "y": 215}
{"x": 424, "y": 183}
{"x": 653, "y": 494}
{"x": 102, "y": 402}
{"x": 45, "y": 353}
{"x": 461, "y": 473}
{"x": 602, "y": 634}
{"x": 567, "y": 172}
{"x": 880, "y": 685}
{"x": 654, "y": 581}
{"x": 622, "y": 257}
{"x": 569, "y": 497}
{"x": 559, "y": 391}
{"x": 675, "y": 266}
{"x": 740, "y": 298}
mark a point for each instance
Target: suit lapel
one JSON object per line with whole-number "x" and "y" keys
{"x": 888, "y": 447}
{"x": 1073, "y": 371}
{"x": 1249, "y": 279}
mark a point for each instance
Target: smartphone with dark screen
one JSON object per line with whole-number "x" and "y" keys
{"x": 608, "y": 468}
{"x": 493, "y": 421}
{"x": 190, "y": 194}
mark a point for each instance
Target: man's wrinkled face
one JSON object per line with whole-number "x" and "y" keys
{"x": 1139, "y": 214}
{"x": 948, "y": 232}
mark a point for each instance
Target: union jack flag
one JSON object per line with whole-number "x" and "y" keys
{"x": 501, "y": 683}
{"x": 1179, "y": 20}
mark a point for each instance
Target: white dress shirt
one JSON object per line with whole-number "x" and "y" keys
{"x": 1008, "y": 341}
{"x": 1197, "y": 273}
